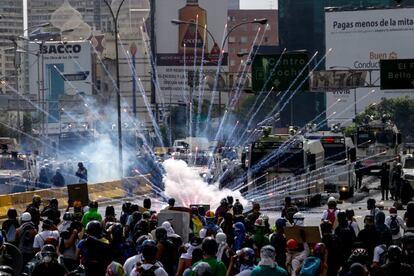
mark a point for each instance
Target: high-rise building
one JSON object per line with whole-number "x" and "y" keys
{"x": 234, "y": 4}
{"x": 11, "y": 25}
{"x": 41, "y": 11}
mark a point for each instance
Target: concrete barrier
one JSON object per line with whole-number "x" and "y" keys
{"x": 99, "y": 191}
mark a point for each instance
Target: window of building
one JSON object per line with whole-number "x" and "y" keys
{"x": 232, "y": 39}
{"x": 232, "y": 62}
{"x": 243, "y": 39}
{"x": 266, "y": 39}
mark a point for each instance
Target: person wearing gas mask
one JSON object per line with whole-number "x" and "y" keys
{"x": 49, "y": 264}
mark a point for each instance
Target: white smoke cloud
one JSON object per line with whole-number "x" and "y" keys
{"x": 187, "y": 187}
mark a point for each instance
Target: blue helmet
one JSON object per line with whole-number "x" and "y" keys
{"x": 246, "y": 256}
{"x": 239, "y": 228}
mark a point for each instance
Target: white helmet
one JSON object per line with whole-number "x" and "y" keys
{"x": 331, "y": 199}
{"x": 26, "y": 216}
{"x": 298, "y": 219}
{"x": 298, "y": 215}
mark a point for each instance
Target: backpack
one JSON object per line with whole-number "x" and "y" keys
{"x": 148, "y": 272}
{"x": 331, "y": 216}
{"x": 26, "y": 238}
{"x": 310, "y": 267}
{"x": 11, "y": 234}
{"x": 394, "y": 226}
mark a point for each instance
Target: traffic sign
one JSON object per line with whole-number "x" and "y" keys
{"x": 333, "y": 80}
{"x": 397, "y": 74}
{"x": 268, "y": 73}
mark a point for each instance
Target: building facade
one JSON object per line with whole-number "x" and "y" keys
{"x": 234, "y": 4}
{"x": 11, "y": 25}
{"x": 242, "y": 39}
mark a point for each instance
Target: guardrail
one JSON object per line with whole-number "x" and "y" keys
{"x": 98, "y": 191}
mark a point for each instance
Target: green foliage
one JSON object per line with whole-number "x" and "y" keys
{"x": 401, "y": 111}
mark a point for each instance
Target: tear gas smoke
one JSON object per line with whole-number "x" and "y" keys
{"x": 187, "y": 187}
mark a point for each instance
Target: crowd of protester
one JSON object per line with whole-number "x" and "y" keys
{"x": 227, "y": 241}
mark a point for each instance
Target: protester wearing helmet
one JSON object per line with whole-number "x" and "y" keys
{"x": 25, "y": 235}
{"x": 246, "y": 258}
{"x": 267, "y": 264}
{"x": 259, "y": 237}
{"x": 93, "y": 251}
{"x": 278, "y": 241}
{"x": 289, "y": 209}
{"x": 298, "y": 219}
{"x": 67, "y": 221}
{"x": 211, "y": 228}
{"x": 297, "y": 253}
{"x": 368, "y": 236}
{"x": 395, "y": 264}
{"x": 395, "y": 223}
{"x": 238, "y": 212}
{"x": 330, "y": 213}
{"x": 315, "y": 264}
{"x": 49, "y": 264}
{"x": 92, "y": 214}
{"x": 67, "y": 246}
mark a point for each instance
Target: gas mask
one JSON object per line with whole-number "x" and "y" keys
{"x": 47, "y": 258}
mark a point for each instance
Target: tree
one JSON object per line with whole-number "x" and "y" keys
{"x": 401, "y": 112}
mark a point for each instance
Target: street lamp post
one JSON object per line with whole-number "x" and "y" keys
{"x": 118, "y": 86}
{"x": 261, "y": 21}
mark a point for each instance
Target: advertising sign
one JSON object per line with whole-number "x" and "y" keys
{"x": 337, "y": 79}
{"x": 359, "y": 40}
{"x": 66, "y": 68}
{"x": 186, "y": 46}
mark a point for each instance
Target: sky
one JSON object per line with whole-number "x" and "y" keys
{"x": 258, "y": 4}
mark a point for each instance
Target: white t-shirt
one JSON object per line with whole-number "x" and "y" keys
{"x": 378, "y": 251}
{"x": 158, "y": 272}
{"x": 40, "y": 238}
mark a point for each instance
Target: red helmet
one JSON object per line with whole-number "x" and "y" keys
{"x": 292, "y": 244}
{"x": 209, "y": 214}
{"x": 259, "y": 222}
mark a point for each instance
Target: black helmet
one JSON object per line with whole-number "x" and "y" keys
{"x": 67, "y": 216}
{"x": 126, "y": 206}
{"x": 94, "y": 228}
{"x": 54, "y": 202}
{"x": 12, "y": 213}
{"x": 93, "y": 204}
{"x": 149, "y": 249}
{"x": 116, "y": 230}
{"x": 209, "y": 246}
{"x": 394, "y": 253}
{"x": 109, "y": 211}
{"x": 171, "y": 201}
{"x": 224, "y": 202}
{"x": 349, "y": 213}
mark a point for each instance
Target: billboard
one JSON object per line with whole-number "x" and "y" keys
{"x": 185, "y": 48}
{"x": 67, "y": 69}
{"x": 359, "y": 40}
